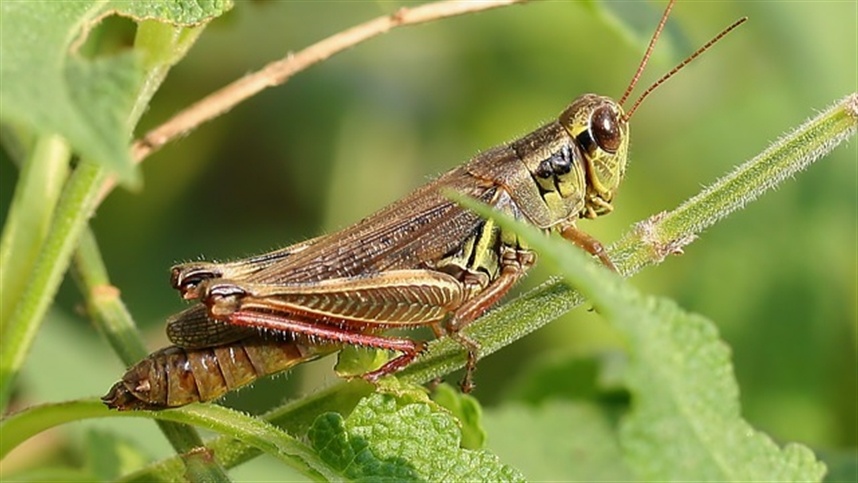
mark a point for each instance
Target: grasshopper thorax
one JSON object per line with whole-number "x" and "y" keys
{"x": 600, "y": 131}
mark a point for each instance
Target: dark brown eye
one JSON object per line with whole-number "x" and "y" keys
{"x": 605, "y": 129}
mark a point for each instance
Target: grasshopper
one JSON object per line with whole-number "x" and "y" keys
{"x": 423, "y": 261}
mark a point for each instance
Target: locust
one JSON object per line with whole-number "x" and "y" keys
{"x": 423, "y": 261}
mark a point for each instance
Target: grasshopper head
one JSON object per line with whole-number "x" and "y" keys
{"x": 601, "y": 132}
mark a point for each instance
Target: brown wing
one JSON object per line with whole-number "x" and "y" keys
{"x": 423, "y": 226}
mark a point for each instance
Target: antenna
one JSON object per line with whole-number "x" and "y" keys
{"x": 682, "y": 64}
{"x": 648, "y": 52}
{"x": 673, "y": 71}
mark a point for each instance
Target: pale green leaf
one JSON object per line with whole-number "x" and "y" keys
{"x": 686, "y": 422}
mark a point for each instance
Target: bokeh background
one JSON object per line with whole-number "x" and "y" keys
{"x": 365, "y": 127}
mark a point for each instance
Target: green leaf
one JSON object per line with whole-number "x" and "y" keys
{"x": 577, "y": 441}
{"x": 685, "y": 423}
{"x": 186, "y": 13}
{"x": 351, "y": 455}
{"x": 47, "y": 86}
{"x": 29, "y": 217}
{"x": 384, "y": 439}
{"x": 467, "y": 410}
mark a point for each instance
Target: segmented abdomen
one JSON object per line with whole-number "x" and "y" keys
{"x": 174, "y": 376}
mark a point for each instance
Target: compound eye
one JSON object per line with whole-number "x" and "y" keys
{"x": 605, "y": 129}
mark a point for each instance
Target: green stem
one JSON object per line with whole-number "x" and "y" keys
{"x": 73, "y": 211}
{"x": 29, "y": 218}
{"x": 38, "y": 241}
{"x": 105, "y": 307}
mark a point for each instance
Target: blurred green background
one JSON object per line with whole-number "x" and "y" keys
{"x": 780, "y": 279}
